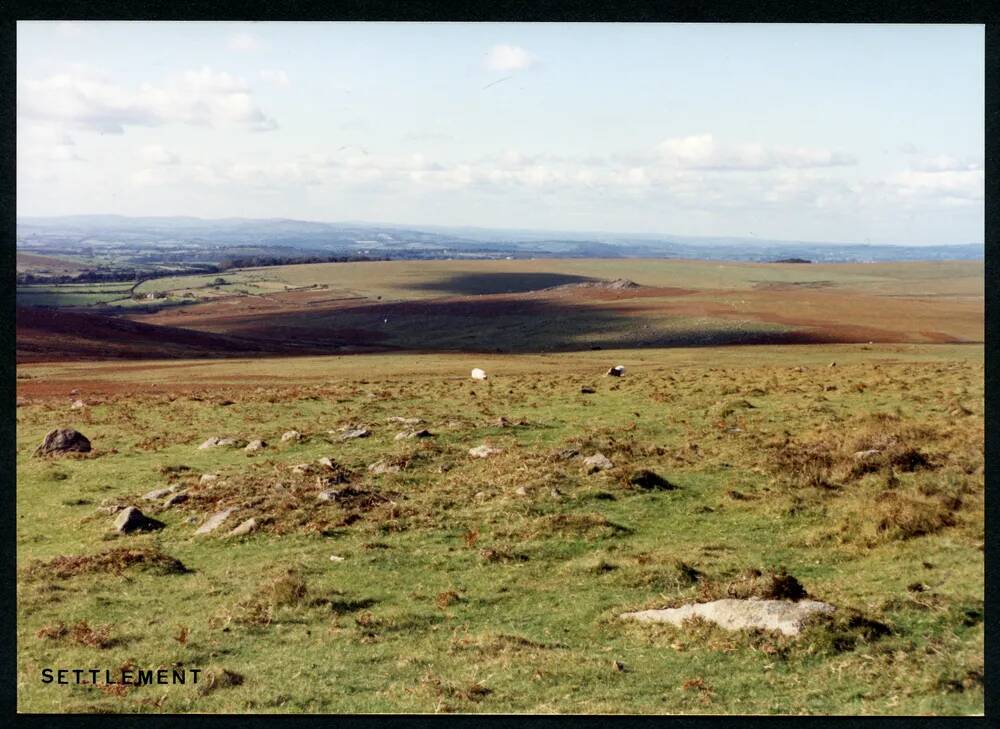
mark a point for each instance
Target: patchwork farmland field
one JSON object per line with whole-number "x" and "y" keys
{"x": 431, "y": 580}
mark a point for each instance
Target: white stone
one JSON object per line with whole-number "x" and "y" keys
{"x": 478, "y": 374}
{"x": 781, "y": 615}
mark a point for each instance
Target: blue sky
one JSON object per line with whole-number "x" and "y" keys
{"x": 807, "y": 132}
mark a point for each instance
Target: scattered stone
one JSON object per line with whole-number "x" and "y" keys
{"x": 131, "y": 520}
{"x": 597, "y": 462}
{"x": 587, "y": 390}
{"x": 355, "y": 433}
{"x": 616, "y": 371}
{"x": 78, "y": 405}
{"x": 833, "y": 364}
{"x": 646, "y": 479}
{"x": 328, "y": 495}
{"x": 327, "y": 462}
{"x": 208, "y": 478}
{"x": 244, "y": 528}
{"x": 484, "y": 451}
{"x": 413, "y": 434}
{"x": 381, "y": 467}
{"x": 63, "y": 440}
{"x": 521, "y": 491}
{"x": 174, "y": 499}
{"x": 781, "y": 615}
{"x": 566, "y": 453}
{"x": 336, "y": 558}
{"x": 216, "y": 442}
{"x": 861, "y": 455}
{"x": 291, "y": 435}
{"x": 478, "y": 374}
{"x": 404, "y": 421}
{"x": 255, "y": 445}
{"x": 157, "y": 494}
{"x": 214, "y": 521}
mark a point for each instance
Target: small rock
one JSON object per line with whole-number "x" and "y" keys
{"x": 355, "y": 433}
{"x": 78, "y": 405}
{"x": 216, "y": 442}
{"x": 616, "y": 371}
{"x": 131, "y": 520}
{"x": 327, "y": 462}
{"x": 833, "y": 364}
{"x": 484, "y": 451}
{"x": 782, "y": 615}
{"x": 646, "y": 479}
{"x": 244, "y": 528}
{"x": 380, "y": 467}
{"x": 291, "y": 435}
{"x": 328, "y": 495}
{"x": 502, "y": 422}
{"x": 255, "y": 445}
{"x": 63, "y": 440}
{"x": 174, "y": 499}
{"x": 208, "y": 478}
{"x": 861, "y": 455}
{"x": 336, "y": 558}
{"x": 478, "y": 374}
{"x": 157, "y": 494}
{"x": 521, "y": 491}
{"x": 414, "y": 434}
{"x": 566, "y": 453}
{"x": 587, "y": 390}
{"x": 214, "y": 521}
{"x": 597, "y": 462}
{"x": 404, "y": 421}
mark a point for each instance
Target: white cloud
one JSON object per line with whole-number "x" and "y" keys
{"x": 204, "y": 97}
{"x": 69, "y": 29}
{"x": 274, "y": 76}
{"x": 953, "y": 185}
{"x": 945, "y": 163}
{"x": 703, "y": 152}
{"x": 243, "y": 43}
{"x": 155, "y": 154}
{"x": 509, "y": 58}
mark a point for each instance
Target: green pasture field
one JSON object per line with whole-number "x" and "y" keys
{"x": 495, "y": 585}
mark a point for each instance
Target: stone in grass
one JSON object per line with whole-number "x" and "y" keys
{"x": 157, "y": 494}
{"x": 208, "y": 478}
{"x": 131, "y": 520}
{"x": 214, "y": 521}
{"x": 649, "y": 480}
{"x": 781, "y": 615}
{"x": 381, "y": 467}
{"x": 404, "y": 421}
{"x": 244, "y": 528}
{"x": 63, "y": 440}
{"x": 484, "y": 451}
{"x": 408, "y": 434}
{"x": 174, "y": 499}
{"x": 327, "y": 495}
{"x": 355, "y": 433}
{"x": 255, "y": 445}
{"x": 291, "y": 435}
{"x": 597, "y": 462}
{"x": 216, "y": 442}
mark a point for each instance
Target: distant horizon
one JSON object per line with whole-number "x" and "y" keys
{"x": 485, "y": 228}
{"x": 865, "y": 134}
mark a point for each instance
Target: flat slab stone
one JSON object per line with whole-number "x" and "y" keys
{"x": 782, "y": 615}
{"x": 244, "y": 528}
{"x": 597, "y": 462}
{"x": 484, "y": 451}
{"x": 214, "y": 521}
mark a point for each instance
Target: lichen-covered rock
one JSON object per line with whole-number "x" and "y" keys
{"x": 63, "y": 440}
{"x": 783, "y": 616}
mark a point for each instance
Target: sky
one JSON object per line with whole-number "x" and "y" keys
{"x": 849, "y": 133}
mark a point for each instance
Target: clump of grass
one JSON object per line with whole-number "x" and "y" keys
{"x": 585, "y": 526}
{"x": 447, "y": 598}
{"x": 81, "y": 633}
{"x": 288, "y": 589}
{"x": 841, "y": 631}
{"x": 219, "y": 678}
{"x": 753, "y": 583}
{"x": 115, "y": 561}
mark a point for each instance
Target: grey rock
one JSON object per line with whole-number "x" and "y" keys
{"x": 404, "y": 421}
{"x": 484, "y": 451}
{"x": 291, "y": 435}
{"x": 408, "y": 434}
{"x": 208, "y": 478}
{"x": 131, "y": 520}
{"x": 174, "y": 499}
{"x": 597, "y": 462}
{"x": 380, "y": 467}
{"x": 255, "y": 445}
{"x": 244, "y": 528}
{"x": 157, "y": 494}
{"x": 780, "y": 615}
{"x": 328, "y": 495}
{"x": 862, "y": 455}
{"x": 355, "y": 433}
{"x": 616, "y": 371}
{"x": 214, "y": 521}
{"x": 63, "y": 440}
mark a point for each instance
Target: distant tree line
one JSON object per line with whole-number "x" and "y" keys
{"x": 258, "y": 261}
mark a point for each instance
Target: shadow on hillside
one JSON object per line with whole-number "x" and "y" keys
{"x": 473, "y": 284}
